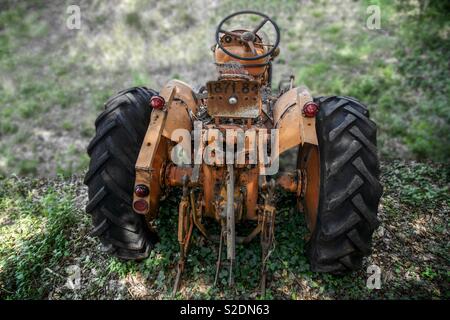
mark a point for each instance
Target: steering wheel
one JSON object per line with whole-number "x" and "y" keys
{"x": 248, "y": 37}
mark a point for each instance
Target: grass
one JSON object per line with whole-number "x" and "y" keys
{"x": 42, "y": 92}
{"x": 43, "y": 232}
{"x": 53, "y": 83}
{"x": 396, "y": 72}
{"x": 419, "y": 185}
{"x": 56, "y": 82}
{"x": 34, "y": 238}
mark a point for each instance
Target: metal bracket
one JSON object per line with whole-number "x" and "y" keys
{"x": 185, "y": 227}
{"x": 149, "y": 147}
{"x": 267, "y": 231}
{"x": 228, "y": 231}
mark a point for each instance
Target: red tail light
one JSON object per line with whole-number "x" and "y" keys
{"x": 310, "y": 109}
{"x": 141, "y": 190}
{"x": 157, "y": 102}
{"x": 140, "y": 205}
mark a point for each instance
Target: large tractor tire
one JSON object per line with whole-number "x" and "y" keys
{"x": 120, "y": 130}
{"x": 349, "y": 188}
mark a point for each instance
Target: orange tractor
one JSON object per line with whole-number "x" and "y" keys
{"x": 221, "y": 145}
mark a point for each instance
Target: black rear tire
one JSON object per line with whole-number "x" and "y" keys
{"x": 350, "y": 190}
{"x": 120, "y": 130}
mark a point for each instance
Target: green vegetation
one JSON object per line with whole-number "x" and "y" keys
{"x": 34, "y": 237}
{"x": 43, "y": 231}
{"x": 419, "y": 185}
{"x": 35, "y": 91}
{"x": 54, "y": 82}
{"x": 400, "y": 72}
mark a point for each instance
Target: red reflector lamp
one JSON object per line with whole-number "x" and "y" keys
{"x": 310, "y": 109}
{"x": 141, "y": 190}
{"x": 157, "y": 102}
{"x": 140, "y": 205}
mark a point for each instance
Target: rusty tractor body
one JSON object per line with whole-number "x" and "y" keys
{"x": 228, "y": 121}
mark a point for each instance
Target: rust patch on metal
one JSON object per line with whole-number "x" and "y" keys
{"x": 234, "y": 99}
{"x": 147, "y": 169}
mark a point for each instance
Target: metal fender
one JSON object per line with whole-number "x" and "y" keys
{"x": 294, "y": 128}
{"x": 179, "y": 111}
{"x": 180, "y": 101}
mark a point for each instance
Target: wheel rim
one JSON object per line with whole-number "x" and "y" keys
{"x": 308, "y": 201}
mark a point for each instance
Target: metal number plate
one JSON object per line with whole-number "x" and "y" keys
{"x": 246, "y": 97}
